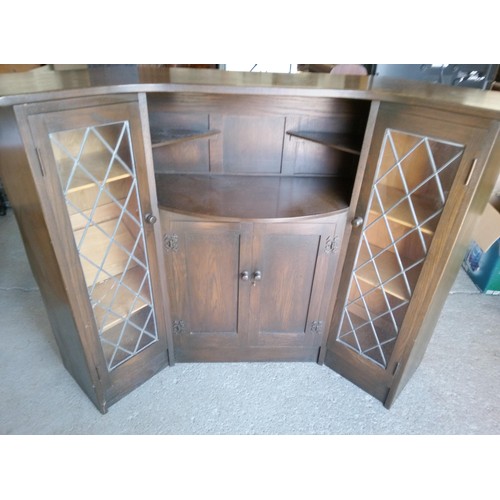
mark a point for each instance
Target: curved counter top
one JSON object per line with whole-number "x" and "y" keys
{"x": 36, "y": 86}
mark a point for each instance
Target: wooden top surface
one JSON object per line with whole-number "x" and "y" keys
{"x": 44, "y": 85}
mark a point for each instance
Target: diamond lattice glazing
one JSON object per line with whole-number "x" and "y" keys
{"x": 97, "y": 174}
{"x": 414, "y": 176}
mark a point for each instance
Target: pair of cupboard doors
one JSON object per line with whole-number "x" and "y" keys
{"x": 250, "y": 291}
{"x": 107, "y": 292}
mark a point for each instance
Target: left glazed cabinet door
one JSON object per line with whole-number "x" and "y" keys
{"x": 97, "y": 181}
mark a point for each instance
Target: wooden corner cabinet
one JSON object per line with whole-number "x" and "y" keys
{"x": 198, "y": 216}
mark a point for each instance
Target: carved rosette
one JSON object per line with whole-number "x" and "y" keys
{"x": 178, "y": 326}
{"x": 332, "y": 243}
{"x": 317, "y": 327}
{"x": 171, "y": 242}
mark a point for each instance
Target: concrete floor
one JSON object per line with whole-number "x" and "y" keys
{"x": 455, "y": 390}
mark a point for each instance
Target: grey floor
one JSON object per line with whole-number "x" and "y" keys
{"x": 456, "y": 390}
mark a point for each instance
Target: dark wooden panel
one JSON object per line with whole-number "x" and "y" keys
{"x": 252, "y": 144}
{"x": 32, "y": 208}
{"x": 287, "y": 263}
{"x": 184, "y": 158}
{"x": 369, "y": 377}
{"x": 208, "y": 302}
{"x": 211, "y": 280}
{"x": 260, "y": 105}
{"x": 302, "y": 157}
{"x": 297, "y": 266}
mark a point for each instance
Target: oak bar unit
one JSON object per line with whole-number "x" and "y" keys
{"x": 197, "y": 215}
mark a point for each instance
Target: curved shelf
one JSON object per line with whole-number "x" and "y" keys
{"x": 251, "y": 197}
{"x": 342, "y": 142}
{"x": 161, "y": 138}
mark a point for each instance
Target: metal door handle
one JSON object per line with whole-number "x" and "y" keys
{"x": 245, "y": 276}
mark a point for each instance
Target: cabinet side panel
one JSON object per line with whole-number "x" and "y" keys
{"x": 20, "y": 185}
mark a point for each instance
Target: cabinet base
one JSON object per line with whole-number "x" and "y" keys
{"x": 247, "y": 354}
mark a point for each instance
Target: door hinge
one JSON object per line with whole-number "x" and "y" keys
{"x": 332, "y": 244}
{"x": 179, "y": 326}
{"x": 171, "y": 242}
{"x": 317, "y": 327}
{"x": 396, "y": 368}
{"x": 40, "y": 162}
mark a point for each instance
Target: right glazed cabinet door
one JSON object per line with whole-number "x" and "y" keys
{"x": 419, "y": 179}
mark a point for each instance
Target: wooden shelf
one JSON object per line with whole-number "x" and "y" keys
{"x": 252, "y": 197}
{"x": 342, "y": 142}
{"x": 102, "y": 214}
{"x": 388, "y": 267}
{"x": 97, "y": 166}
{"x": 104, "y": 295}
{"x": 95, "y": 248}
{"x": 401, "y": 214}
{"x": 161, "y": 138}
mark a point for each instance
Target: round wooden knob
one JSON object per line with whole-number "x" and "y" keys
{"x": 357, "y": 222}
{"x": 150, "y": 218}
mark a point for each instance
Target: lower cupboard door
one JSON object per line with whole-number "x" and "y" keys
{"x": 294, "y": 266}
{"x": 208, "y": 295}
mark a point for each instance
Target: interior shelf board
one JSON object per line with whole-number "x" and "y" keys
{"x": 95, "y": 247}
{"x": 97, "y": 167}
{"x": 104, "y": 295}
{"x": 173, "y": 136}
{"x": 102, "y": 213}
{"x": 342, "y": 142}
{"x": 251, "y": 197}
{"x": 385, "y": 258}
{"x": 423, "y": 208}
{"x": 388, "y": 266}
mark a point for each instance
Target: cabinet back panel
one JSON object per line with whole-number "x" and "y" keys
{"x": 186, "y": 157}
{"x": 301, "y": 157}
{"x": 321, "y": 107}
{"x": 252, "y": 144}
{"x": 253, "y": 134}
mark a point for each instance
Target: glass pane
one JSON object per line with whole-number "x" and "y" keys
{"x": 97, "y": 174}
{"x": 415, "y": 174}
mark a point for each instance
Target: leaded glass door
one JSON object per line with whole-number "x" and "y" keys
{"x": 414, "y": 176}
{"x": 416, "y": 165}
{"x": 96, "y": 164}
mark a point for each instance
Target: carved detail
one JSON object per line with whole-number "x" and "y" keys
{"x": 171, "y": 242}
{"x": 332, "y": 244}
{"x": 178, "y": 326}
{"x": 317, "y": 327}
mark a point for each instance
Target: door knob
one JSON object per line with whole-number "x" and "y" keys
{"x": 357, "y": 221}
{"x": 256, "y": 276}
{"x": 150, "y": 218}
{"x": 245, "y": 275}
